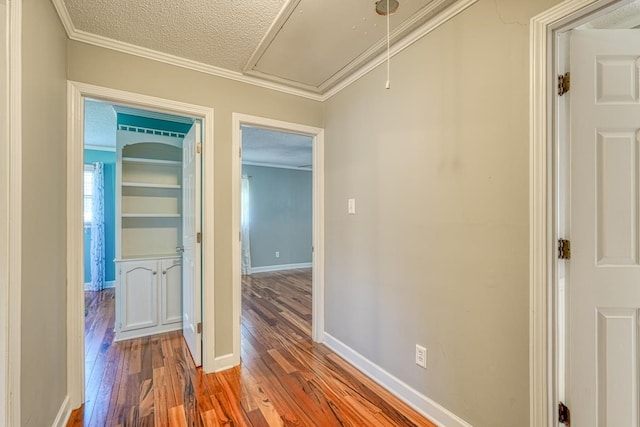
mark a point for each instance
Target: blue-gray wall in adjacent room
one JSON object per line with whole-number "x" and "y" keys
{"x": 280, "y": 215}
{"x": 109, "y": 160}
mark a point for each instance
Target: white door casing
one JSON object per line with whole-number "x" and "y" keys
{"x": 191, "y": 254}
{"x": 77, "y": 93}
{"x": 317, "y": 321}
{"x": 604, "y": 289}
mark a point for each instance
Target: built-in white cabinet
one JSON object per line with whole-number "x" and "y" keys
{"x": 148, "y": 234}
{"x": 149, "y": 295}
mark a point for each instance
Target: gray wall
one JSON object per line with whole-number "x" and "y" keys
{"x": 437, "y": 253}
{"x": 104, "y": 67}
{"x": 44, "y": 316}
{"x": 281, "y": 215}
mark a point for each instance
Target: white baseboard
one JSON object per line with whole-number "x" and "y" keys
{"x": 63, "y": 414}
{"x": 225, "y": 362}
{"x": 421, "y": 403}
{"x": 280, "y": 267}
{"x": 107, "y": 285}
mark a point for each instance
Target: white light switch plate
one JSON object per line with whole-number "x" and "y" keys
{"x": 351, "y": 203}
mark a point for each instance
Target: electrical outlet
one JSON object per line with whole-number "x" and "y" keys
{"x": 421, "y": 356}
{"x": 277, "y": 254}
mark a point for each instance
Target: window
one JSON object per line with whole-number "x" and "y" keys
{"x": 88, "y": 193}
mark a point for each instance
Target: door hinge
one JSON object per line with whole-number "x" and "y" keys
{"x": 564, "y": 83}
{"x": 564, "y": 414}
{"x": 564, "y": 249}
{"x": 199, "y": 237}
{"x": 199, "y": 147}
{"x": 199, "y": 327}
{"x": 240, "y": 152}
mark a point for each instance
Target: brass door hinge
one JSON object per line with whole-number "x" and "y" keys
{"x": 199, "y": 147}
{"x": 564, "y": 249}
{"x": 199, "y": 327}
{"x": 199, "y": 237}
{"x": 564, "y": 414}
{"x": 564, "y": 83}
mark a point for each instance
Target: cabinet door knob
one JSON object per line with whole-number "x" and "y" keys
{"x": 164, "y": 271}
{"x": 155, "y": 272}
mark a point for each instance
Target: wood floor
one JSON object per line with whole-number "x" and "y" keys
{"x": 284, "y": 380}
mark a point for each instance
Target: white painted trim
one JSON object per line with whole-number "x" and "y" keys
{"x": 77, "y": 92}
{"x": 271, "y": 165}
{"x": 358, "y": 68}
{"x": 281, "y": 267}
{"x": 96, "y": 40}
{"x": 542, "y": 230}
{"x": 222, "y": 363}
{"x": 10, "y": 409}
{"x": 401, "y": 45}
{"x": 418, "y": 401}
{"x": 100, "y": 148}
{"x": 63, "y": 414}
{"x": 317, "y": 320}
{"x": 107, "y": 285}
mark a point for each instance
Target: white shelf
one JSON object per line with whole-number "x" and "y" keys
{"x": 150, "y": 185}
{"x": 151, "y": 215}
{"x": 151, "y": 161}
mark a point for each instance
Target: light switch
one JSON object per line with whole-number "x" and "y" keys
{"x": 351, "y": 206}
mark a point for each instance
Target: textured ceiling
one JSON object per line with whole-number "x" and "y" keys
{"x": 223, "y": 33}
{"x": 305, "y": 47}
{"x": 622, "y": 17}
{"x": 274, "y": 148}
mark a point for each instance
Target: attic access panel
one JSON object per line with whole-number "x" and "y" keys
{"x": 316, "y": 44}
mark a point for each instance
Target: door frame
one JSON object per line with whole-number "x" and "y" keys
{"x": 547, "y": 188}
{"x": 11, "y": 271}
{"x": 77, "y": 92}
{"x": 317, "y": 287}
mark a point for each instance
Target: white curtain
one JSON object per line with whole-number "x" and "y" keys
{"x": 97, "y": 229}
{"x": 244, "y": 224}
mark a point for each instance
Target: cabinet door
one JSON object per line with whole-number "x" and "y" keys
{"x": 171, "y": 284}
{"x": 139, "y": 296}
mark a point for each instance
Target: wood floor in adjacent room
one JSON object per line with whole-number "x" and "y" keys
{"x": 285, "y": 379}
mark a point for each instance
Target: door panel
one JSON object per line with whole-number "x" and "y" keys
{"x": 140, "y": 296}
{"x": 191, "y": 256}
{"x": 604, "y": 286}
{"x": 171, "y": 292}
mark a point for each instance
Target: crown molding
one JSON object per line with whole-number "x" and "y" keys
{"x": 143, "y": 52}
{"x": 358, "y": 68}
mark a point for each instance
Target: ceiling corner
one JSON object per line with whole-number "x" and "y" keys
{"x": 63, "y": 13}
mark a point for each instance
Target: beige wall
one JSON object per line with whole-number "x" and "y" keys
{"x": 107, "y": 68}
{"x": 43, "y": 369}
{"x": 437, "y": 253}
{"x": 4, "y": 208}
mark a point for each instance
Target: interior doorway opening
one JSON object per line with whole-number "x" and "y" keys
{"x": 151, "y": 222}
{"x": 133, "y": 213}
{"x": 300, "y": 149}
{"x": 554, "y": 308}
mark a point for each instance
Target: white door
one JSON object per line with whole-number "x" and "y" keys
{"x": 604, "y": 269}
{"x": 191, "y": 256}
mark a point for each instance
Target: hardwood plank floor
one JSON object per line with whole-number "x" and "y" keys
{"x": 285, "y": 379}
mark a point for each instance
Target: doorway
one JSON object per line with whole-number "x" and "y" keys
{"x": 78, "y": 93}
{"x": 574, "y": 198}
{"x": 257, "y": 125}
